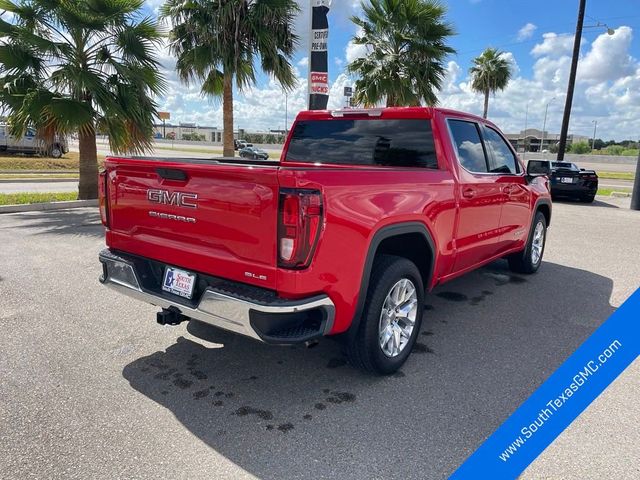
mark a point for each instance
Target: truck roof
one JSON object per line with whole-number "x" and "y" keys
{"x": 386, "y": 112}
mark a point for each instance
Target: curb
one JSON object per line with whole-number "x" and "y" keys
{"x": 32, "y": 207}
{"x": 37, "y": 180}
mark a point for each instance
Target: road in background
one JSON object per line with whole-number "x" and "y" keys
{"x": 182, "y": 149}
{"x": 93, "y": 388}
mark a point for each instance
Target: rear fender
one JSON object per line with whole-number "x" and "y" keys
{"x": 385, "y": 233}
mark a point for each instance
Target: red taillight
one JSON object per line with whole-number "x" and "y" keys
{"x": 102, "y": 197}
{"x": 299, "y": 225}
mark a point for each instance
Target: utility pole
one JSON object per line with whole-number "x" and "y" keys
{"x": 635, "y": 197}
{"x": 572, "y": 82}
{"x": 593, "y": 142}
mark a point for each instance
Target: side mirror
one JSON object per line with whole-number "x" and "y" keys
{"x": 537, "y": 168}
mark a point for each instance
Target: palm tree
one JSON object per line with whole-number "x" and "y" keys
{"x": 81, "y": 66}
{"x": 219, "y": 42}
{"x": 490, "y": 72}
{"x": 406, "y": 45}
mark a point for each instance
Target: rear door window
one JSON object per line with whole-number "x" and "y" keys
{"x": 384, "y": 142}
{"x": 468, "y": 144}
{"x": 501, "y": 158}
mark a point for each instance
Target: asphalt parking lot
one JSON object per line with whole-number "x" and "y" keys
{"x": 93, "y": 388}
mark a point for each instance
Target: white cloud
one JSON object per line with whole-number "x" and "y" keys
{"x": 304, "y": 61}
{"x": 554, "y": 45}
{"x": 551, "y": 72}
{"x": 449, "y": 84}
{"x": 607, "y": 89}
{"x": 353, "y": 51}
{"x": 515, "y": 68}
{"x": 526, "y": 31}
{"x": 609, "y": 57}
{"x": 154, "y": 5}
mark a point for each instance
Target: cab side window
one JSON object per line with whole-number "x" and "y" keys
{"x": 468, "y": 143}
{"x": 501, "y": 158}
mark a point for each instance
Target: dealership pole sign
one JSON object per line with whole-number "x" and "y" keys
{"x": 318, "y": 65}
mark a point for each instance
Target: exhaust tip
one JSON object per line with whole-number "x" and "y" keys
{"x": 311, "y": 343}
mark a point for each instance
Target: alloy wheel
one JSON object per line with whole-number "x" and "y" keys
{"x": 398, "y": 317}
{"x": 537, "y": 244}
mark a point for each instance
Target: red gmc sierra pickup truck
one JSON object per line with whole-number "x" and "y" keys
{"x": 366, "y": 211}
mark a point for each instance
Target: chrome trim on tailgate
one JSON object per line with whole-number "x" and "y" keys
{"x": 216, "y": 308}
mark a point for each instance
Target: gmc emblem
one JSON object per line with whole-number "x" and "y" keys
{"x": 179, "y": 199}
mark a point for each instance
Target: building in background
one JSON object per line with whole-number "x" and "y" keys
{"x": 188, "y": 131}
{"x": 191, "y": 132}
{"x": 529, "y": 140}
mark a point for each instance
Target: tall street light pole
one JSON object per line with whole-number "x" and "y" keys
{"x": 526, "y": 118}
{"x": 544, "y": 124}
{"x": 593, "y": 142}
{"x": 572, "y": 81}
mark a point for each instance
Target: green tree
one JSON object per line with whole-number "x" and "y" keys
{"x": 81, "y": 66}
{"x": 490, "y": 72}
{"x": 220, "y": 42}
{"x": 406, "y": 48}
{"x": 580, "y": 148}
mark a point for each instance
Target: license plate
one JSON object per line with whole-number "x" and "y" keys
{"x": 178, "y": 282}
{"x": 566, "y": 180}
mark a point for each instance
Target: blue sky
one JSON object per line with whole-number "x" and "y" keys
{"x": 536, "y": 36}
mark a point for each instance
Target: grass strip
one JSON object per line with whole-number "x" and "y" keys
{"x": 617, "y": 175}
{"x": 70, "y": 161}
{"x": 40, "y": 197}
{"x": 38, "y": 176}
{"x": 608, "y": 191}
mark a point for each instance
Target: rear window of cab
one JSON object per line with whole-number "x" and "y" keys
{"x": 383, "y": 142}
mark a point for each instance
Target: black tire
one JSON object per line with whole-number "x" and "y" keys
{"x": 56, "y": 151}
{"x": 588, "y": 198}
{"x": 523, "y": 262}
{"x": 364, "y": 350}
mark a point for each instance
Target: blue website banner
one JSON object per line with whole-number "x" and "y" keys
{"x": 560, "y": 399}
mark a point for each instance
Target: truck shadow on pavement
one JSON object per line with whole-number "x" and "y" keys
{"x": 75, "y": 222}
{"x": 488, "y": 340}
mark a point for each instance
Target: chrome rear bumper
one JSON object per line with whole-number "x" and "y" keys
{"x": 222, "y": 308}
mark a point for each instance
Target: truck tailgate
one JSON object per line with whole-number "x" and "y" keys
{"x": 206, "y": 216}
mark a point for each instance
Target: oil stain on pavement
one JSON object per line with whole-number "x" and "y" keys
{"x": 171, "y": 379}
